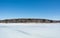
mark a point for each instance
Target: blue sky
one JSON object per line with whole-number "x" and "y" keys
{"x": 48, "y": 9}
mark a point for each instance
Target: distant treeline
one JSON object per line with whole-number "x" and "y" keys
{"x": 28, "y": 21}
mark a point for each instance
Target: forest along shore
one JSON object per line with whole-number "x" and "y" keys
{"x": 23, "y": 20}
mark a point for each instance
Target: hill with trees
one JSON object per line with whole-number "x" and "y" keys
{"x": 29, "y": 20}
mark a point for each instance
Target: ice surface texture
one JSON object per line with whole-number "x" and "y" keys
{"x": 30, "y": 31}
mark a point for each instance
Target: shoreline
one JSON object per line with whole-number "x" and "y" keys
{"x": 28, "y": 24}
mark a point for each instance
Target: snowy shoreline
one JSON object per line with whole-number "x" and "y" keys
{"x": 11, "y": 24}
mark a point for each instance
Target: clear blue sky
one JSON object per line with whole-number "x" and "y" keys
{"x": 48, "y": 9}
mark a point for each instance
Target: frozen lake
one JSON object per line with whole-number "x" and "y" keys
{"x": 30, "y": 30}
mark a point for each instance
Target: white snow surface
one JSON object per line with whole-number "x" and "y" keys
{"x": 30, "y": 30}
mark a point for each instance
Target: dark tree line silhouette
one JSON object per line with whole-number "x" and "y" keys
{"x": 27, "y": 21}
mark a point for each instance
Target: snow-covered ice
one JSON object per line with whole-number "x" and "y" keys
{"x": 30, "y": 30}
